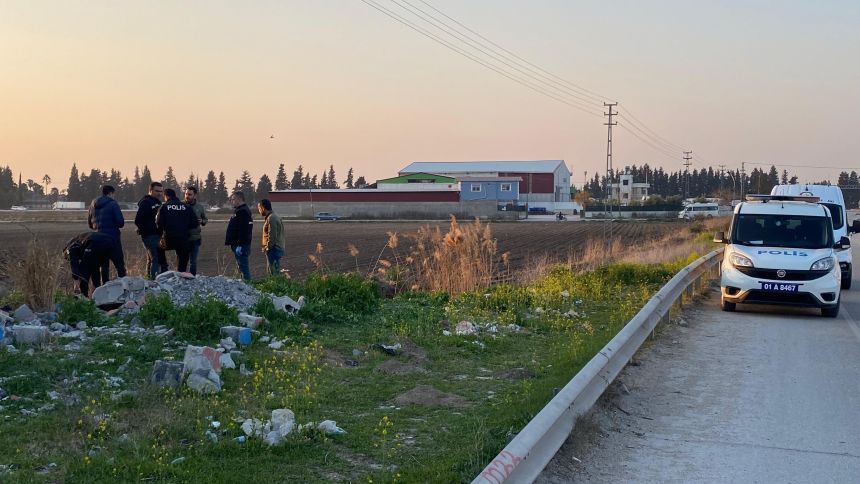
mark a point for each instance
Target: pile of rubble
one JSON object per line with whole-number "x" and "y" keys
{"x": 26, "y": 327}
{"x": 128, "y": 293}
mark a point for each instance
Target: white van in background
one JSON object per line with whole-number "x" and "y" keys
{"x": 831, "y": 197}
{"x": 699, "y": 210}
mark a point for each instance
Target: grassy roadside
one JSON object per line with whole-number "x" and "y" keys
{"x": 435, "y": 411}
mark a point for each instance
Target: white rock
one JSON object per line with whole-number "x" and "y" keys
{"x": 273, "y": 438}
{"x": 466, "y": 328}
{"x": 250, "y": 321}
{"x": 227, "y": 361}
{"x": 283, "y": 421}
{"x": 330, "y": 427}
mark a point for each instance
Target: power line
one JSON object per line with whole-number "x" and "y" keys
{"x": 595, "y": 96}
{"x": 527, "y": 74}
{"x": 492, "y": 54}
{"x": 496, "y": 52}
{"x": 469, "y": 56}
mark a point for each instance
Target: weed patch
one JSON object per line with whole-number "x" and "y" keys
{"x": 199, "y": 321}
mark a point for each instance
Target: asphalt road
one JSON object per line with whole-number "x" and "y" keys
{"x": 761, "y": 395}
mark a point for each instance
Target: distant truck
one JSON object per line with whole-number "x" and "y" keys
{"x": 69, "y": 205}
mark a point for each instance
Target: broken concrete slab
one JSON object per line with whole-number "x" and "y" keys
{"x": 201, "y": 358}
{"x": 30, "y": 335}
{"x": 204, "y": 381}
{"x": 166, "y": 374}
{"x": 287, "y": 304}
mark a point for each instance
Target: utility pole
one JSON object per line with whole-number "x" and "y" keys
{"x": 743, "y": 181}
{"x": 687, "y": 164}
{"x": 609, "y": 124}
{"x": 722, "y": 168}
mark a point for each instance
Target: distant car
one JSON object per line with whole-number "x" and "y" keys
{"x": 18, "y": 207}
{"x": 325, "y": 216}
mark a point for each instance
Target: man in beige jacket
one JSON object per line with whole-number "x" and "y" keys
{"x": 273, "y": 236}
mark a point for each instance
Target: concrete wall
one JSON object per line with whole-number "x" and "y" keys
{"x": 641, "y": 214}
{"x": 394, "y": 211}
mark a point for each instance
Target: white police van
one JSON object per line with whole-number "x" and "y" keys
{"x": 781, "y": 250}
{"x": 831, "y": 197}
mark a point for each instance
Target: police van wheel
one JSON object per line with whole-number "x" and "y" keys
{"x": 727, "y": 306}
{"x": 831, "y": 312}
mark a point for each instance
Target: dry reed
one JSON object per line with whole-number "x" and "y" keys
{"x": 39, "y": 275}
{"x": 462, "y": 259}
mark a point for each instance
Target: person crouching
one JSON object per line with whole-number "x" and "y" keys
{"x": 87, "y": 253}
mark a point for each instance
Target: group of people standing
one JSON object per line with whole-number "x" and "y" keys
{"x": 164, "y": 224}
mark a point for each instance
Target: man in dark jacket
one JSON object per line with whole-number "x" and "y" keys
{"x": 106, "y": 218}
{"x": 147, "y": 209}
{"x": 175, "y": 219}
{"x": 239, "y": 231}
{"x": 87, "y": 253}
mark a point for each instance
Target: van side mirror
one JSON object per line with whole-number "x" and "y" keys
{"x": 855, "y": 227}
{"x": 720, "y": 237}
{"x": 844, "y": 243}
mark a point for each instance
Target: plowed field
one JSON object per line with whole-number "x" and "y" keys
{"x": 527, "y": 242}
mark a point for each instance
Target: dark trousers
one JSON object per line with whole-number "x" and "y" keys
{"x": 118, "y": 258}
{"x": 183, "y": 251}
{"x": 242, "y": 261}
{"x": 156, "y": 259}
{"x": 273, "y": 260}
{"x": 89, "y": 269}
{"x": 195, "y": 251}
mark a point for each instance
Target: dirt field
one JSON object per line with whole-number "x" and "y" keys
{"x": 526, "y": 241}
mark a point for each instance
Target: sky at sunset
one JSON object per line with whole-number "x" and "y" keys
{"x": 202, "y": 85}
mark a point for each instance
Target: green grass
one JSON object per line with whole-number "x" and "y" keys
{"x": 384, "y": 442}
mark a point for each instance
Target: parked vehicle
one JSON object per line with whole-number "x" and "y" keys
{"x": 325, "y": 216}
{"x": 69, "y": 206}
{"x": 780, "y": 250}
{"x": 699, "y": 210}
{"x": 18, "y": 207}
{"x": 831, "y": 197}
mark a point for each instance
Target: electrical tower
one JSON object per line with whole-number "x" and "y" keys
{"x": 687, "y": 164}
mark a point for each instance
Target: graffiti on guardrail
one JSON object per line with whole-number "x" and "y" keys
{"x": 501, "y": 467}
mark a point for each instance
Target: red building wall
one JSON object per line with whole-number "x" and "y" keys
{"x": 540, "y": 182}
{"x": 356, "y": 196}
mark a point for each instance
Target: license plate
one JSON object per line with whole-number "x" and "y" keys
{"x": 778, "y": 287}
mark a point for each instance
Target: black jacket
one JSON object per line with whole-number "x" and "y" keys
{"x": 87, "y": 252}
{"x": 147, "y": 209}
{"x": 240, "y": 227}
{"x": 105, "y": 216}
{"x": 174, "y": 220}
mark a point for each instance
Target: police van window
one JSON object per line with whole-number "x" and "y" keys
{"x": 835, "y": 214}
{"x": 796, "y": 231}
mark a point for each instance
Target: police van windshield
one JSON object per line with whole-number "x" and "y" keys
{"x": 835, "y": 214}
{"x": 770, "y": 230}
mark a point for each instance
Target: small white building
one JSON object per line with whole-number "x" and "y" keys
{"x": 626, "y": 190}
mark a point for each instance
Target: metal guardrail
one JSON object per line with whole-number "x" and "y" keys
{"x": 525, "y": 457}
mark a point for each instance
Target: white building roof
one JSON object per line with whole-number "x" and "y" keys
{"x": 443, "y": 167}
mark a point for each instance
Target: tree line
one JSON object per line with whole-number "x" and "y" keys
{"x": 213, "y": 189}
{"x": 704, "y": 182}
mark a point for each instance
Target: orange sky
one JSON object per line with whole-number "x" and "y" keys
{"x": 202, "y": 85}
